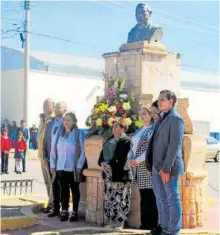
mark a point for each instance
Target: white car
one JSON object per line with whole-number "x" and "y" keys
{"x": 213, "y": 149}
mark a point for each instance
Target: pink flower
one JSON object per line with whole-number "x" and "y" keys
{"x": 111, "y": 92}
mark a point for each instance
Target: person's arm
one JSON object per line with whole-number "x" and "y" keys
{"x": 82, "y": 157}
{"x": 27, "y": 134}
{"x": 2, "y": 145}
{"x": 9, "y": 145}
{"x": 141, "y": 158}
{"x": 101, "y": 158}
{"x": 130, "y": 155}
{"x": 124, "y": 150}
{"x": 175, "y": 142}
{"x": 53, "y": 151}
{"x": 24, "y": 145}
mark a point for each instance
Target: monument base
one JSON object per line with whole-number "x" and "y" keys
{"x": 95, "y": 196}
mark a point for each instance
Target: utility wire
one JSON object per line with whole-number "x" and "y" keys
{"x": 189, "y": 21}
{"x": 76, "y": 42}
{"x": 3, "y": 18}
{"x": 172, "y": 22}
{"x": 10, "y": 36}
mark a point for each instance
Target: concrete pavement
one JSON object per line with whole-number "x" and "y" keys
{"x": 45, "y": 224}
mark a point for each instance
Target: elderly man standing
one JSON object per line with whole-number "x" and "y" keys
{"x": 54, "y": 128}
{"x": 44, "y": 148}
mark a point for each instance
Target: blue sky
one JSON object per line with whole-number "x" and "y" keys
{"x": 190, "y": 28}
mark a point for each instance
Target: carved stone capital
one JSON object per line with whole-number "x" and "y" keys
{"x": 181, "y": 108}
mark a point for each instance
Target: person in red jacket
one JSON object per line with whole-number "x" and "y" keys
{"x": 20, "y": 147}
{"x": 5, "y": 149}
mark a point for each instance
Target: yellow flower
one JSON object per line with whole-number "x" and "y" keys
{"x": 112, "y": 109}
{"x": 138, "y": 124}
{"x": 126, "y": 106}
{"x": 96, "y": 110}
{"x": 110, "y": 120}
{"x": 99, "y": 122}
{"x": 128, "y": 121}
{"x": 103, "y": 107}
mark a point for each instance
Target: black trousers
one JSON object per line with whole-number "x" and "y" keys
{"x": 67, "y": 182}
{"x": 4, "y": 159}
{"x": 149, "y": 214}
{"x": 24, "y": 161}
{"x": 56, "y": 191}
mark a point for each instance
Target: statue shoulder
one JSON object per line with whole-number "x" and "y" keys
{"x": 133, "y": 29}
{"x": 131, "y": 34}
{"x": 157, "y": 33}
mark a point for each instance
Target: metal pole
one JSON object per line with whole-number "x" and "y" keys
{"x": 26, "y": 59}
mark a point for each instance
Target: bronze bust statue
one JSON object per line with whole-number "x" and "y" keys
{"x": 144, "y": 30}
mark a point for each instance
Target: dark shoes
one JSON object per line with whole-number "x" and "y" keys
{"x": 157, "y": 231}
{"x": 64, "y": 216}
{"x": 46, "y": 210}
{"x": 73, "y": 217}
{"x": 53, "y": 214}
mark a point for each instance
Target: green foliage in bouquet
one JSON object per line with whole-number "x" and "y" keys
{"x": 116, "y": 103}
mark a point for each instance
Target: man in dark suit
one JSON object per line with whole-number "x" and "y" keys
{"x": 164, "y": 158}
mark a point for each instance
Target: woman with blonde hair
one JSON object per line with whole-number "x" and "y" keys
{"x": 142, "y": 177}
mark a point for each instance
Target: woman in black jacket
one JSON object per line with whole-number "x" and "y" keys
{"x": 117, "y": 175}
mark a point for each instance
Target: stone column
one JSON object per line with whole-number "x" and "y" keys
{"x": 193, "y": 184}
{"x": 94, "y": 181}
{"x": 94, "y": 197}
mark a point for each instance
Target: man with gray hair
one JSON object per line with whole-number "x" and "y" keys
{"x": 52, "y": 129}
{"x": 43, "y": 154}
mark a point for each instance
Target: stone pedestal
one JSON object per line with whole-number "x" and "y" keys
{"x": 82, "y": 203}
{"x": 94, "y": 182}
{"x": 134, "y": 217}
{"x": 148, "y": 67}
{"x": 94, "y": 197}
{"x": 193, "y": 184}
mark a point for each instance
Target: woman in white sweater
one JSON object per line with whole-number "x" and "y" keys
{"x": 142, "y": 177}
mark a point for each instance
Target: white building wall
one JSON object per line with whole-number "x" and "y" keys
{"x": 78, "y": 92}
{"x": 12, "y": 95}
{"x": 80, "y": 95}
{"x": 204, "y": 108}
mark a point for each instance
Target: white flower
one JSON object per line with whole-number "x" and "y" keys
{"x": 123, "y": 96}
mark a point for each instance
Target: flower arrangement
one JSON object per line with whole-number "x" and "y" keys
{"x": 116, "y": 103}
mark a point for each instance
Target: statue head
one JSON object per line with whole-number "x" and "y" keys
{"x": 143, "y": 13}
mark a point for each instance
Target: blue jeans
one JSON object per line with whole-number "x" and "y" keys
{"x": 168, "y": 203}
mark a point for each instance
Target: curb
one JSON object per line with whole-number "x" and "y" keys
{"x": 17, "y": 222}
{"x": 113, "y": 231}
{"x": 25, "y": 221}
